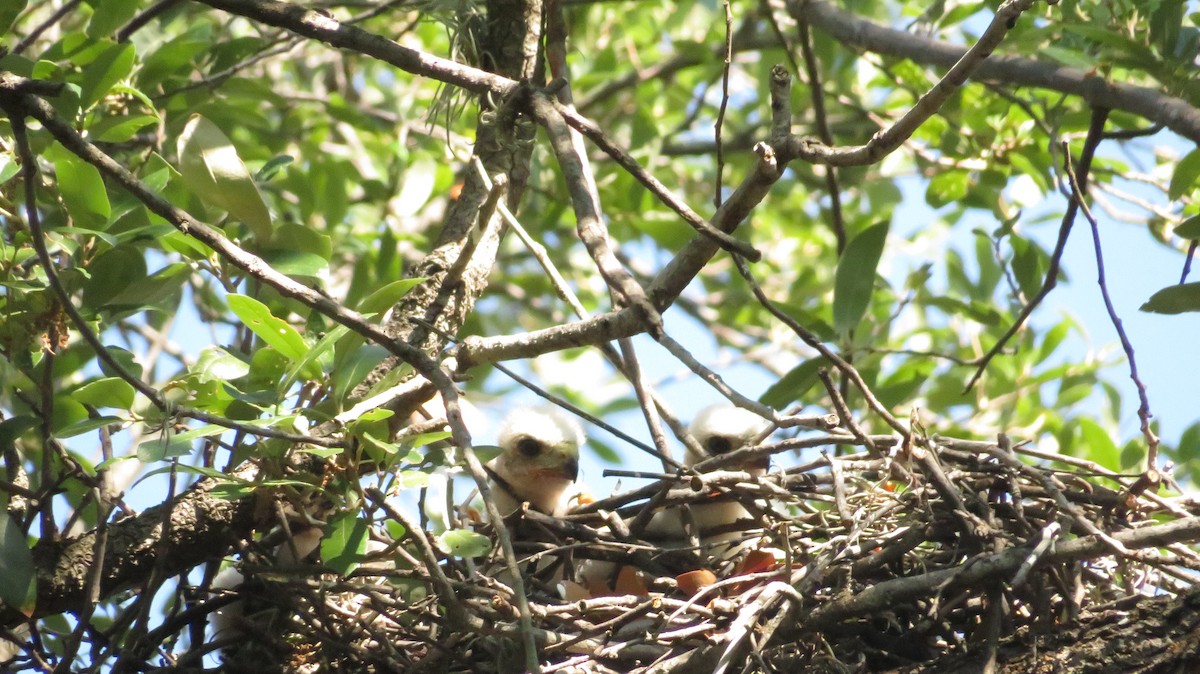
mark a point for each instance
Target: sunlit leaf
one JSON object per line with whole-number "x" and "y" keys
{"x": 164, "y": 447}
{"x": 109, "y": 15}
{"x": 87, "y": 425}
{"x": 344, "y": 543}
{"x": 793, "y": 385}
{"x": 107, "y": 392}
{"x": 416, "y": 187}
{"x": 218, "y": 364}
{"x": 18, "y": 583}
{"x": 81, "y": 187}
{"x": 111, "y": 66}
{"x": 384, "y": 298}
{"x": 463, "y": 543}
{"x": 855, "y": 280}
{"x": 211, "y": 168}
{"x": 256, "y": 316}
{"x": 1176, "y": 299}
{"x": 1186, "y": 173}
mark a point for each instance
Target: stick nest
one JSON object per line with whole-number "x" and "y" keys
{"x": 890, "y": 558}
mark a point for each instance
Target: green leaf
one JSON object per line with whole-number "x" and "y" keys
{"x": 275, "y": 332}
{"x": 856, "y": 277}
{"x": 119, "y": 129}
{"x": 386, "y": 297}
{"x": 9, "y": 10}
{"x": 11, "y": 429}
{"x": 211, "y": 168}
{"x": 81, "y": 187}
{"x": 111, "y": 66}
{"x": 416, "y": 188}
{"x": 109, "y": 15}
{"x": 111, "y": 272}
{"x": 298, "y": 251}
{"x": 217, "y": 364}
{"x": 8, "y": 168}
{"x": 900, "y": 386}
{"x": 169, "y": 446}
{"x": 373, "y": 416}
{"x": 463, "y": 543}
{"x": 344, "y": 543}
{"x": 1176, "y": 299}
{"x": 977, "y": 311}
{"x": 18, "y": 583}
{"x": 382, "y": 453}
{"x": 323, "y": 452}
{"x": 107, "y": 392}
{"x": 310, "y": 365}
{"x": 355, "y": 367}
{"x": 1165, "y": 22}
{"x": 273, "y": 166}
{"x": 1029, "y": 264}
{"x": 430, "y": 438}
{"x": 1098, "y": 445}
{"x": 1053, "y": 338}
{"x": 947, "y": 187}
{"x": 1189, "y": 229}
{"x": 152, "y": 292}
{"x": 1184, "y": 178}
{"x": 124, "y": 358}
{"x": 86, "y": 425}
{"x": 794, "y": 384}
{"x": 412, "y": 479}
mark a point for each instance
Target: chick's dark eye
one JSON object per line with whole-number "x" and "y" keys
{"x": 529, "y": 447}
{"x": 718, "y": 445}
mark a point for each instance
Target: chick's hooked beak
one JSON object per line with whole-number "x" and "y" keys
{"x": 567, "y": 470}
{"x": 571, "y": 468}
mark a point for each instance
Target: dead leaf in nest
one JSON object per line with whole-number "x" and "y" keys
{"x": 693, "y": 581}
{"x": 629, "y": 582}
{"x": 573, "y": 591}
{"x": 756, "y": 561}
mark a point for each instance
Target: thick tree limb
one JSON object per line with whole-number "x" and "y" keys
{"x": 1174, "y": 113}
{"x": 321, "y": 26}
{"x": 201, "y": 528}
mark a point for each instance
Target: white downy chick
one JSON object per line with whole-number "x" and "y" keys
{"x": 719, "y": 429}
{"x": 225, "y": 620}
{"x": 540, "y": 460}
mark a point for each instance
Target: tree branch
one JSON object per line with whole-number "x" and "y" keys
{"x": 1174, "y": 113}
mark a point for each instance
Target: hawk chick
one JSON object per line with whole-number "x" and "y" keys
{"x": 539, "y": 462}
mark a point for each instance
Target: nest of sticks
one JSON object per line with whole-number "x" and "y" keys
{"x": 900, "y": 553}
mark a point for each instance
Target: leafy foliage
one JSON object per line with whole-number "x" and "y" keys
{"x": 340, "y": 171}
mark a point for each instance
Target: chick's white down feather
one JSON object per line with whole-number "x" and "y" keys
{"x": 539, "y": 461}
{"x": 719, "y": 429}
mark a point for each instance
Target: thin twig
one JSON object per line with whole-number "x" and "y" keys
{"x": 813, "y": 341}
{"x": 719, "y": 124}
{"x": 1094, "y": 135}
{"x": 1078, "y": 196}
